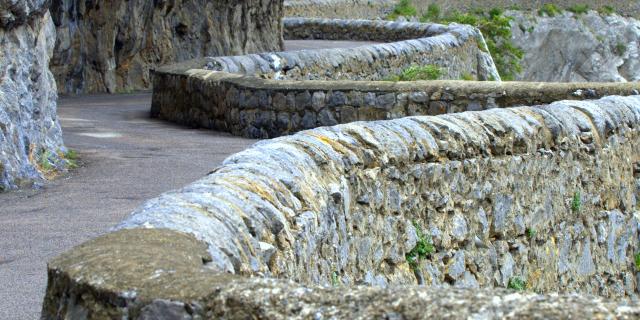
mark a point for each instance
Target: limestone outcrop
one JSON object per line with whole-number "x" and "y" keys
{"x": 110, "y": 46}
{"x": 577, "y": 48}
{"x": 30, "y": 135}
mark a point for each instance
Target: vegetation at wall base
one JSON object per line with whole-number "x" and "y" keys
{"x": 517, "y": 284}
{"x": 415, "y": 73}
{"x": 579, "y": 9}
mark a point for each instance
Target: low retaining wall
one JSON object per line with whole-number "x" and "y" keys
{"x": 343, "y": 9}
{"x": 371, "y": 9}
{"x": 543, "y": 195}
{"x": 457, "y": 49}
{"x": 263, "y": 108}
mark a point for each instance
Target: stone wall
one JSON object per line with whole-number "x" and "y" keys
{"x": 343, "y": 9}
{"x": 262, "y": 108}
{"x": 546, "y": 195}
{"x": 30, "y": 136}
{"x": 110, "y": 46}
{"x": 371, "y": 9}
{"x": 457, "y": 49}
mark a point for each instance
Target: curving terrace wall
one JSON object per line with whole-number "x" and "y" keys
{"x": 345, "y": 9}
{"x": 263, "y": 108}
{"x": 545, "y": 194}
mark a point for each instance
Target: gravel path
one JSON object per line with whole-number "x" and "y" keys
{"x": 126, "y": 158}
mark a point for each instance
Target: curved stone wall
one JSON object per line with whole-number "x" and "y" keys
{"x": 546, "y": 195}
{"x": 263, "y": 108}
{"x": 345, "y": 9}
{"x": 457, "y": 49}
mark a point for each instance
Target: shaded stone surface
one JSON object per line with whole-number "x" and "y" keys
{"x": 30, "y": 136}
{"x": 110, "y": 46}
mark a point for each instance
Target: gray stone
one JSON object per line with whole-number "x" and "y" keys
{"x": 309, "y": 120}
{"x": 317, "y": 100}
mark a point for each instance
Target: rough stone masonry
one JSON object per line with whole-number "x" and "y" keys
{"x": 543, "y": 195}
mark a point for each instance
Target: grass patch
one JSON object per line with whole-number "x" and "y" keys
{"x": 579, "y": 9}
{"x": 433, "y": 12}
{"x": 549, "y": 9}
{"x": 71, "y": 156}
{"x": 403, "y": 8}
{"x": 467, "y": 77}
{"x": 576, "y": 202}
{"x": 607, "y": 10}
{"x": 415, "y": 73}
{"x": 620, "y": 48}
{"x": 517, "y": 284}
{"x": 422, "y": 250}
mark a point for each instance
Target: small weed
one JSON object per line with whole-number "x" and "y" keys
{"x": 467, "y": 77}
{"x": 415, "y": 73}
{"x": 600, "y": 38}
{"x": 576, "y": 202}
{"x": 403, "y": 8}
{"x": 45, "y": 163}
{"x": 637, "y": 258}
{"x": 432, "y": 14}
{"x": 531, "y": 233}
{"x": 72, "y": 158}
{"x": 607, "y": 10}
{"x": 530, "y": 30}
{"x": 620, "y": 48}
{"x": 423, "y": 248}
{"x": 517, "y": 284}
{"x": 579, "y": 9}
{"x": 334, "y": 279}
{"x": 549, "y": 9}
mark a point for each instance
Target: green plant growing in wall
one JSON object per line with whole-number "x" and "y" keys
{"x": 422, "y": 250}
{"x": 637, "y": 261}
{"x": 531, "y": 233}
{"x": 334, "y": 279}
{"x": 517, "y": 284}
{"x": 620, "y": 48}
{"x": 579, "y": 9}
{"x": 44, "y": 163}
{"x": 549, "y": 9}
{"x": 576, "y": 202}
{"x": 403, "y": 8}
{"x": 415, "y": 73}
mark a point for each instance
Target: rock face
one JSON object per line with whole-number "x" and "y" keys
{"x": 30, "y": 136}
{"x": 570, "y": 48}
{"x": 109, "y": 46}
